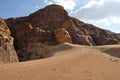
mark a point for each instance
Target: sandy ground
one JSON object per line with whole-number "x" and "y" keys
{"x": 71, "y": 62}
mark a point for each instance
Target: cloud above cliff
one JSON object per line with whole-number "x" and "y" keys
{"x": 107, "y": 11}
{"x": 102, "y": 13}
{"x": 67, "y": 4}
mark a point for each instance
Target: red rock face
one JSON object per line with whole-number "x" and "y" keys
{"x": 30, "y": 42}
{"x": 49, "y": 18}
{"x": 42, "y": 27}
{"x": 7, "y": 52}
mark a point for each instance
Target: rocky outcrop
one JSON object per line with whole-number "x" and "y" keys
{"x": 30, "y": 42}
{"x": 7, "y": 52}
{"x": 50, "y": 26}
{"x": 62, "y": 36}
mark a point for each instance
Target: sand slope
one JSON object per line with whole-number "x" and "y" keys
{"x": 71, "y": 62}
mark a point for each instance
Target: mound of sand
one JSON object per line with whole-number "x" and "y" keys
{"x": 113, "y": 50}
{"x": 70, "y": 62}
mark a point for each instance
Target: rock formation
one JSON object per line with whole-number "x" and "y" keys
{"x": 7, "y": 52}
{"x": 50, "y": 26}
{"x": 62, "y": 36}
{"x": 30, "y": 42}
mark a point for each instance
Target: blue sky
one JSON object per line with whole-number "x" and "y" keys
{"x": 102, "y": 13}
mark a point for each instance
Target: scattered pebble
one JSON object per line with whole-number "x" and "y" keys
{"x": 115, "y": 60}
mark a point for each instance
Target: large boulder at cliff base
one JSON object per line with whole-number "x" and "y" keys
{"x": 62, "y": 36}
{"x": 7, "y": 52}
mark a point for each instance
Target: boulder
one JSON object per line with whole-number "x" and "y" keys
{"x": 7, "y": 51}
{"x": 62, "y": 35}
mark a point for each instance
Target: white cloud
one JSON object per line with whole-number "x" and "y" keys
{"x": 104, "y": 21}
{"x": 103, "y": 11}
{"x": 109, "y": 21}
{"x": 67, "y": 4}
{"x": 106, "y": 24}
{"x": 116, "y": 20}
{"x": 36, "y": 7}
{"x": 48, "y": 2}
{"x": 94, "y": 3}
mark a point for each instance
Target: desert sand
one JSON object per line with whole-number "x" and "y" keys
{"x": 70, "y": 62}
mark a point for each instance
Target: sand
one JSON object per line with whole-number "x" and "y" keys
{"x": 70, "y": 62}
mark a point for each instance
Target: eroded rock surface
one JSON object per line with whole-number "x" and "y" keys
{"x": 31, "y": 42}
{"x": 7, "y": 52}
{"x": 62, "y": 35}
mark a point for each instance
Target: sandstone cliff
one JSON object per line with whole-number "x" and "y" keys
{"x": 50, "y": 26}
{"x": 7, "y": 52}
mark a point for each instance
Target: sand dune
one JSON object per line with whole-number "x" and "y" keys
{"x": 70, "y": 62}
{"x": 113, "y": 50}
